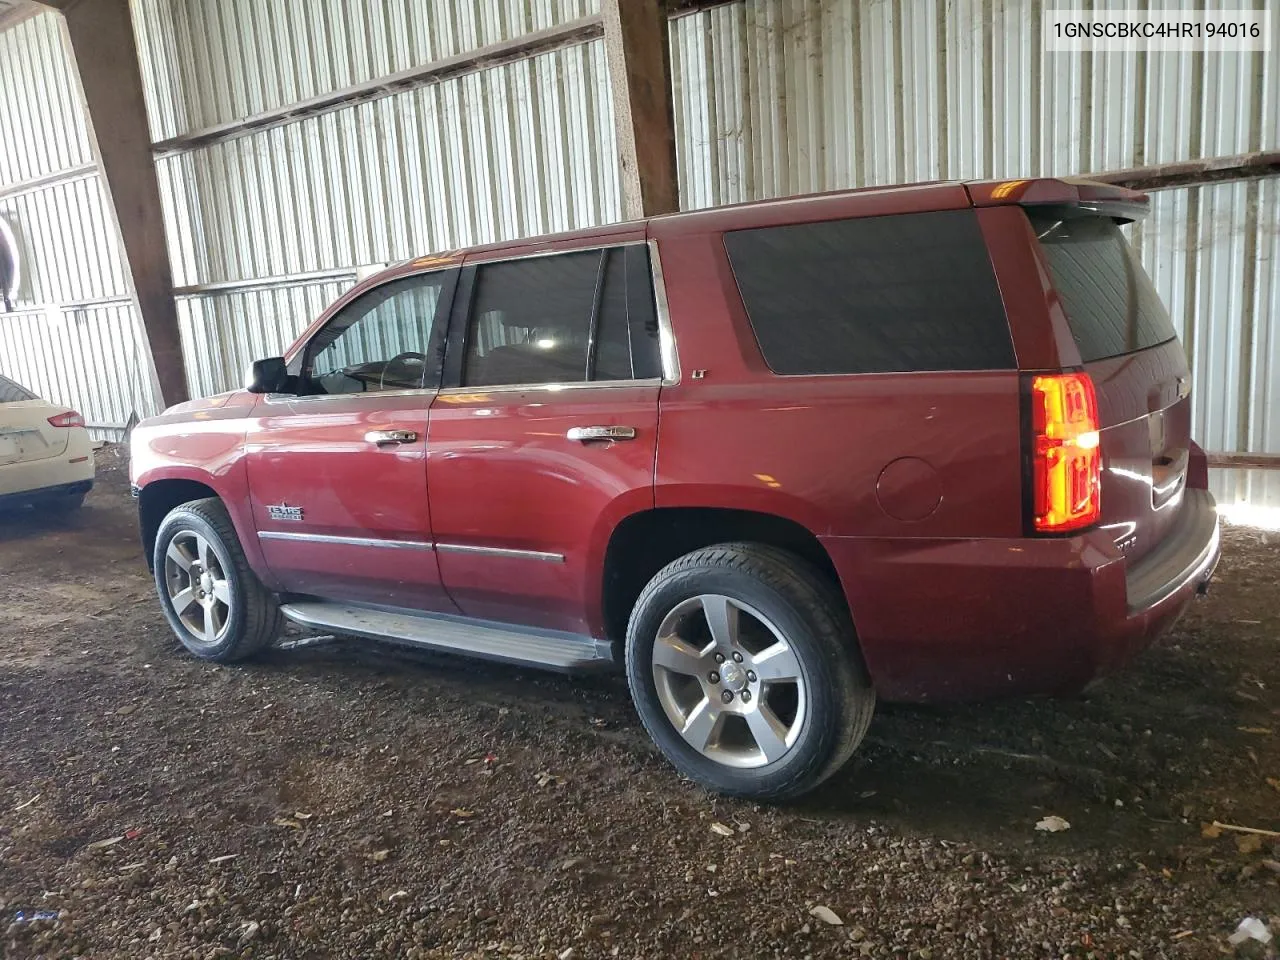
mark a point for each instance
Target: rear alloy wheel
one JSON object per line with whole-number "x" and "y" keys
{"x": 728, "y": 681}
{"x": 745, "y": 670}
{"x": 212, "y": 599}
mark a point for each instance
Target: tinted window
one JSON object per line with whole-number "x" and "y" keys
{"x": 613, "y": 343}
{"x": 561, "y": 319}
{"x": 642, "y": 316}
{"x": 1111, "y": 305}
{"x": 876, "y": 294}
{"x": 380, "y": 341}
{"x": 10, "y": 392}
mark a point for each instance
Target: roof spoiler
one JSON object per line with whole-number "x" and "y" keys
{"x": 1108, "y": 200}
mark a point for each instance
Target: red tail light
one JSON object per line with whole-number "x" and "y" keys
{"x": 1066, "y": 468}
{"x": 69, "y": 419}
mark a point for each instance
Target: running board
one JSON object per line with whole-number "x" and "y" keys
{"x": 565, "y": 652}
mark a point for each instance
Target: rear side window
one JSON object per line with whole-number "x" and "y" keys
{"x": 567, "y": 318}
{"x": 10, "y": 392}
{"x": 1111, "y": 305}
{"x": 873, "y": 295}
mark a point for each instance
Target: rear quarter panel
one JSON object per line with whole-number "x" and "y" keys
{"x": 940, "y": 451}
{"x": 887, "y": 470}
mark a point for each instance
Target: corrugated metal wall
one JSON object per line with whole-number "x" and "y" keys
{"x": 75, "y": 336}
{"x": 1212, "y": 252}
{"x": 44, "y": 128}
{"x": 86, "y": 357}
{"x": 208, "y": 62}
{"x": 779, "y": 97}
{"x": 516, "y": 150}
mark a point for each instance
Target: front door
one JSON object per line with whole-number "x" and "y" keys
{"x": 337, "y": 469}
{"x": 545, "y": 436}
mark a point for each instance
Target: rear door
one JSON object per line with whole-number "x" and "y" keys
{"x": 26, "y": 435}
{"x": 1129, "y": 347}
{"x": 337, "y": 471}
{"x": 547, "y": 436}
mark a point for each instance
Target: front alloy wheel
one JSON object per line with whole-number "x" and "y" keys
{"x": 197, "y": 587}
{"x": 216, "y": 605}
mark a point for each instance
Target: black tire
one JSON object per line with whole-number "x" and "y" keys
{"x": 804, "y": 606}
{"x": 253, "y": 620}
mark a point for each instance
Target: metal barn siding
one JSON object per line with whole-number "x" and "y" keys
{"x": 521, "y": 149}
{"x": 88, "y": 357}
{"x": 209, "y": 62}
{"x": 42, "y": 128}
{"x": 68, "y": 244}
{"x": 1212, "y": 253}
{"x": 779, "y": 97}
{"x": 74, "y": 336}
{"x": 1252, "y": 488}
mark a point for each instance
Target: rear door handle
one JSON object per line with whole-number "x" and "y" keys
{"x": 385, "y": 438}
{"x": 587, "y": 434}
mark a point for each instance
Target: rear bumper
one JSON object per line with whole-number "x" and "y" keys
{"x": 1187, "y": 556}
{"x": 43, "y": 494}
{"x": 74, "y": 464}
{"x": 969, "y": 619}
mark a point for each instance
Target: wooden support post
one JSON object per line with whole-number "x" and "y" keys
{"x": 636, "y": 44}
{"x": 100, "y": 39}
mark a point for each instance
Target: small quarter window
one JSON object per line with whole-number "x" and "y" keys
{"x": 873, "y": 295}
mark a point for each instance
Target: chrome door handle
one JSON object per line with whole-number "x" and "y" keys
{"x": 587, "y": 434}
{"x": 385, "y": 438}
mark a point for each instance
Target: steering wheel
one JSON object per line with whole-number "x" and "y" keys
{"x": 399, "y": 358}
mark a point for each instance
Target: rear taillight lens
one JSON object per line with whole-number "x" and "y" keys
{"x": 1066, "y": 464}
{"x": 69, "y": 419}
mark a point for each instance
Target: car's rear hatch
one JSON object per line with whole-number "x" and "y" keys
{"x": 1130, "y": 349}
{"x": 27, "y": 435}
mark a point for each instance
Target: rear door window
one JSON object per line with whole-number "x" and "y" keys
{"x": 1111, "y": 305}
{"x": 873, "y": 295}
{"x": 568, "y": 318}
{"x": 11, "y": 392}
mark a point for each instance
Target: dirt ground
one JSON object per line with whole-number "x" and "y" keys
{"x": 352, "y": 800}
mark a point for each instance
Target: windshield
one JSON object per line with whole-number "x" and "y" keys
{"x": 1111, "y": 305}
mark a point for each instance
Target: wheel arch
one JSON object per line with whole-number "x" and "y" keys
{"x": 158, "y": 498}
{"x": 644, "y": 542}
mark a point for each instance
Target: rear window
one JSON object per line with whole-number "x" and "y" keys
{"x": 1111, "y": 305}
{"x": 10, "y": 392}
{"x": 873, "y": 295}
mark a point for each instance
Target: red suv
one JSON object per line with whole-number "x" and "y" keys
{"x": 920, "y": 443}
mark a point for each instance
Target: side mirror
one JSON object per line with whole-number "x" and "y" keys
{"x": 268, "y": 376}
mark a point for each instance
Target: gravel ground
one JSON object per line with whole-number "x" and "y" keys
{"x": 352, "y": 800}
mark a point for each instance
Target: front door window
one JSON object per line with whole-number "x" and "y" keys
{"x": 379, "y": 342}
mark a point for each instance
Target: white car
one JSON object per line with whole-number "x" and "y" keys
{"x": 46, "y": 457}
